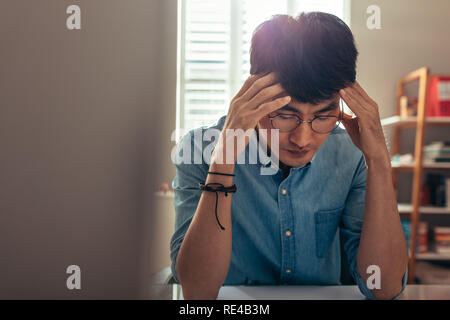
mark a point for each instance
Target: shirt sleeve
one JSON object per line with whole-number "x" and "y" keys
{"x": 187, "y": 193}
{"x": 352, "y": 226}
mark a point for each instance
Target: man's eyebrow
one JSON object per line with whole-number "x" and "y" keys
{"x": 289, "y": 108}
{"x": 331, "y": 106}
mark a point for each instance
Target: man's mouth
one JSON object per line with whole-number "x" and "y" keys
{"x": 297, "y": 152}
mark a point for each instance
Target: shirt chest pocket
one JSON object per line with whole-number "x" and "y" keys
{"x": 326, "y": 225}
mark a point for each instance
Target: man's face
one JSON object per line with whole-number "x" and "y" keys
{"x": 297, "y": 148}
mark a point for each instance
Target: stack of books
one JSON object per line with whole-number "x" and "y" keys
{"x": 422, "y": 235}
{"x": 436, "y": 190}
{"x": 442, "y": 239}
{"x": 438, "y": 151}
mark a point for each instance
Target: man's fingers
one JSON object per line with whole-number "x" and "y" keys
{"x": 353, "y": 101}
{"x": 259, "y": 85}
{"x": 271, "y": 106}
{"x": 357, "y": 94}
{"x": 250, "y": 80}
{"x": 267, "y": 94}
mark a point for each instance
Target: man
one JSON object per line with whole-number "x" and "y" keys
{"x": 332, "y": 184}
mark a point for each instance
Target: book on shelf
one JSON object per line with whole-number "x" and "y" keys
{"x": 438, "y": 96}
{"x": 442, "y": 239}
{"x": 442, "y": 249}
{"x": 403, "y": 159}
{"x": 437, "y": 152}
{"x": 422, "y": 235}
{"x": 447, "y": 192}
{"x": 435, "y": 190}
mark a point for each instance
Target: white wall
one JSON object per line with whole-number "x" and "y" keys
{"x": 414, "y": 33}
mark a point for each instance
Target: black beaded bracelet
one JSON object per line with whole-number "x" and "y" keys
{"x": 216, "y": 188}
{"x": 221, "y": 173}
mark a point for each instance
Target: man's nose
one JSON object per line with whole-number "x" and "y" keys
{"x": 302, "y": 135}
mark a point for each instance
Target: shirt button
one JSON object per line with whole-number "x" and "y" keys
{"x": 288, "y": 270}
{"x": 288, "y": 233}
{"x": 284, "y": 191}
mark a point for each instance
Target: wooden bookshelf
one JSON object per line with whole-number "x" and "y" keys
{"x": 420, "y": 123}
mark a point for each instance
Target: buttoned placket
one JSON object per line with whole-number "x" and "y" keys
{"x": 287, "y": 226}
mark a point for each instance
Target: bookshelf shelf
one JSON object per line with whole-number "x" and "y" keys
{"x": 405, "y": 208}
{"x": 412, "y": 121}
{"x": 433, "y": 256}
{"x": 425, "y": 165}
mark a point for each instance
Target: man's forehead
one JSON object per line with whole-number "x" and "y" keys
{"x": 308, "y": 108}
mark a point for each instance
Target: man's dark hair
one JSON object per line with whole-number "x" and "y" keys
{"x": 313, "y": 55}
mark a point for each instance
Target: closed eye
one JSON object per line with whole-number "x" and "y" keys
{"x": 283, "y": 115}
{"x": 323, "y": 118}
{"x": 286, "y": 116}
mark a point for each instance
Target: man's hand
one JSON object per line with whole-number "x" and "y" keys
{"x": 255, "y": 100}
{"x": 365, "y": 130}
{"x": 259, "y": 96}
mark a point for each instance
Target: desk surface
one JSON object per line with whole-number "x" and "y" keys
{"x": 412, "y": 292}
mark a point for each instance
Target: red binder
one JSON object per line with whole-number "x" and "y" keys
{"x": 438, "y": 97}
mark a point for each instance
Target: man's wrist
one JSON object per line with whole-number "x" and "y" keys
{"x": 380, "y": 161}
{"x": 222, "y": 168}
{"x": 378, "y": 164}
{"x": 220, "y": 163}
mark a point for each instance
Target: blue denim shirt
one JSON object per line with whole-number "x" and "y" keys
{"x": 285, "y": 230}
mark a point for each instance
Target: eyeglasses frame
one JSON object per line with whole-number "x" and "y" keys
{"x": 300, "y": 120}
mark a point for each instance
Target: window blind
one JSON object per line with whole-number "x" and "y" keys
{"x": 206, "y": 81}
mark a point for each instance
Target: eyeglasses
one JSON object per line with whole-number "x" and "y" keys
{"x": 287, "y": 122}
